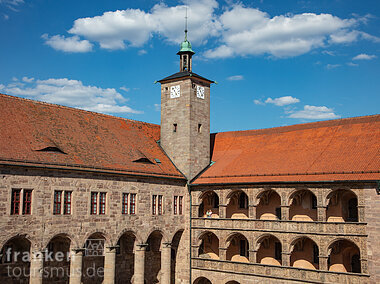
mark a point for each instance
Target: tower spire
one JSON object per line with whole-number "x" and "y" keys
{"x": 186, "y": 24}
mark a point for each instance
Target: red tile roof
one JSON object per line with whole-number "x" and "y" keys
{"x": 345, "y": 149}
{"x": 89, "y": 140}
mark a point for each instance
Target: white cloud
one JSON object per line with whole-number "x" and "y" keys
{"x": 72, "y": 93}
{"x": 125, "y": 89}
{"x": 352, "y": 64}
{"x": 6, "y": 17}
{"x": 314, "y": 112}
{"x": 258, "y": 102}
{"x": 134, "y": 27}
{"x": 332, "y": 66}
{"x": 364, "y": 56}
{"x": 27, "y": 80}
{"x": 282, "y": 101}
{"x": 236, "y": 78}
{"x": 237, "y": 31}
{"x": 142, "y": 52}
{"x": 12, "y": 4}
{"x": 248, "y": 31}
{"x": 67, "y": 44}
{"x": 157, "y": 107}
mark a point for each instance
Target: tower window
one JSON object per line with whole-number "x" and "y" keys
{"x": 199, "y": 128}
{"x": 175, "y": 127}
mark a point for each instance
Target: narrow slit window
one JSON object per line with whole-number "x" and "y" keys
{"x": 94, "y": 202}
{"x": 175, "y": 127}
{"x": 132, "y": 204}
{"x": 57, "y": 202}
{"x": 16, "y": 194}
{"x": 180, "y": 205}
{"x": 102, "y": 203}
{"x": 199, "y": 128}
{"x": 27, "y": 202}
{"x": 125, "y": 203}
{"x": 67, "y": 203}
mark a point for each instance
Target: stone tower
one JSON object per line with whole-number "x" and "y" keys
{"x": 185, "y": 116}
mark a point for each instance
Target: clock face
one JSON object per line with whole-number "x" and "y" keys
{"x": 175, "y": 91}
{"x": 200, "y": 92}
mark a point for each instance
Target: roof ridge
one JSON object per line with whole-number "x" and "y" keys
{"x": 74, "y": 109}
{"x": 302, "y": 126}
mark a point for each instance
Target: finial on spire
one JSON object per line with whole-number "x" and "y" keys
{"x": 186, "y": 24}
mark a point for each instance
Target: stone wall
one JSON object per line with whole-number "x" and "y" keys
{"x": 372, "y": 213}
{"x": 42, "y": 226}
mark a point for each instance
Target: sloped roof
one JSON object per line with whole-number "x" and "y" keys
{"x": 345, "y": 149}
{"x": 184, "y": 74}
{"x": 30, "y": 130}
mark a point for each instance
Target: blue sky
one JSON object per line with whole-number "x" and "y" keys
{"x": 276, "y": 62}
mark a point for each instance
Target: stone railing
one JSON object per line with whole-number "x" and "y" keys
{"x": 318, "y": 228}
{"x": 277, "y": 273}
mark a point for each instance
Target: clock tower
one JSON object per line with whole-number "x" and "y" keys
{"x": 185, "y": 116}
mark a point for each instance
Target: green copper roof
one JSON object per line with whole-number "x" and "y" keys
{"x": 186, "y": 47}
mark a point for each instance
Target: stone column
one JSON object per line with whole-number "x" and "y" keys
{"x": 109, "y": 265}
{"x": 323, "y": 265}
{"x": 252, "y": 256}
{"x": 222, "y": 211}
{"x": 223, "y": 253}
{"x": 285, "y": 212}
{"x": 36, "y": 267}
{"x": 286, "y": 258}
{"x": 321, "y": 212}
{"x": 139, "y": 274}
{"x": 166, "y": 263}
{"x": 361, "y": 214}
{"x": 252, "y": 211}
{"x": 76, "y": 266}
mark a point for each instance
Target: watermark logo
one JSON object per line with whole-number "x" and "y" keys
{"x": 94, "y": 247}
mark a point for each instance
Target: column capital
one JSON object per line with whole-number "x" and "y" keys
{"x": 284, "y": 206}
{"x": 223, "y": 248}
{"x": 76, "y": 250}
{"x": 167, "y": 245}
{"x": 142, "y": 246}
{"x": 112, "y": 248}
{"x": 222, "y": 205}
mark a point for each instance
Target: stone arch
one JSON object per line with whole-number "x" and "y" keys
{"x": 232, "y": 282}
{"x": 268, "y": 205}
{"x": 178, "y": 255}
{"x": 165, "y": 237}
{"x": 269, "y": 250}
{"x": 304, "y": 253}
{"x": 57, "y": 268}
{"x": 62, "y": 234}
{"x": 125, "y": 257}
{"x": 209, "y": 245}
{"x": 202, "y": 280}
{"x": 303, "y": 205}
{"x": 237, "y": 248}
{"x": 237, "y": 204}
{"x": 153, "y": 257}
{"x": 98, "y": 233}
{"x": 342, "y": 206}
{"x": 344, "y": 256}
{"x": 209, "y": 205}
{"x": 15, "y": 252}
{"x": 93, "y": 258}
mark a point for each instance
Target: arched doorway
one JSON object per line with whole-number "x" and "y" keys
{"x": 15, "y": 263}
{"x": 270, "y": 250}
{"x": 238, "y": 248}
{"x": 209, "y": 206}
{"x": 153, "y": 257}
{"x": 125, "y": 258}
{"x": 57, "y": 265}
{"x": 93, "y": 259}
{"x": 342, "y": 206}
{"x": 237, "y": 206}
{"x": 269, "y": 207}
{"x": 177, "y": 255}
{"x": 303, "y": 206}
{"x": 344, "y": 256}
{"x": 304, "y": 254}
{"x": 202, "y": 280}
{"x": 209, "y": 246}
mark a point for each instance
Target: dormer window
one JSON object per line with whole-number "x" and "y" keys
{"x": 143, "y": 161}
{"x": 51, "y": 149}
